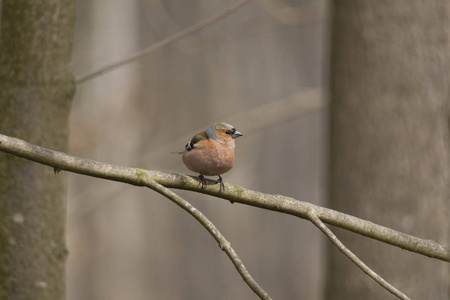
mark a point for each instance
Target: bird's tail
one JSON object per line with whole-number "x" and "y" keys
{"x": 177, "y": 152}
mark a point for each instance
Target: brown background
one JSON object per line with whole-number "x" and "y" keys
{"x": 260, "y": 69}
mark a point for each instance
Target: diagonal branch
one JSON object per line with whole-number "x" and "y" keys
{"x": 164, "y": 42}
{"x": 223, "y": 243}
{"x": 234, "y": 193}
{"x": 312, "y": 215}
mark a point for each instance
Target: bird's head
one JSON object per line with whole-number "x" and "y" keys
{"x": 223, "y": 133}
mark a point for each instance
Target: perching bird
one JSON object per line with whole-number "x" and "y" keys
{"x": 211, "y": 152}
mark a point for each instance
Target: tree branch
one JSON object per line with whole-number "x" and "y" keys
{"x": 162, "y": 43}
{"x": 312, "y": 214}
{"x": 223, "y": 243}
{"x": 234, "y": 193}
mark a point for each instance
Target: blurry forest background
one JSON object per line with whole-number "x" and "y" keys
{"x": 261, "y": 69}
{"x": 380, "y": 149}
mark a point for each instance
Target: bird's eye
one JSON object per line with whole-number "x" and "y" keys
{"x": 230, "y": 132}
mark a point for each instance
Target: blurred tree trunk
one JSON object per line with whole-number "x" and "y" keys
{"x": 36, "y": 90}
{"x": 390, "y": 140}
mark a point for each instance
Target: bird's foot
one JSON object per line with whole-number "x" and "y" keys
{"x": 202, "y": 180}
{"x": 222, "y": 185}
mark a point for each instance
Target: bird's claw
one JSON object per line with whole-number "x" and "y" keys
{"x": 222, "y": 185}
{"x": 202, "y": 180}
{"x": 204, "y": 184}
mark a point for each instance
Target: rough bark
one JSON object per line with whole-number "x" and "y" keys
{"x": 390, "y": 139}
{"x": 36, "y": 89}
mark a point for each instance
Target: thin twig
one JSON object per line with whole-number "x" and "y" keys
{"x": 312, "y": 215}
{"x": 234, "y": 193}
{"x": 163, "y": 42}
{"x": 223, "y": 243}
{"x": 290, "y": 15}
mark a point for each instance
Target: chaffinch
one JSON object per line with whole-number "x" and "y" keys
{"x": 211, "y": 152}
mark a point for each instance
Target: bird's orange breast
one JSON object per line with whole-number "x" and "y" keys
{"x": 210, "y": 158}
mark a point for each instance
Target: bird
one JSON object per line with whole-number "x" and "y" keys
{"x": 211, "y": 152}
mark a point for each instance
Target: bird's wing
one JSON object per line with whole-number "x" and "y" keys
{"x": 198, "y": 137}
{"x": 190, "y": 145}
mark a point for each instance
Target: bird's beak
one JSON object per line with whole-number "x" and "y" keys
{"x": 236, "y": 134}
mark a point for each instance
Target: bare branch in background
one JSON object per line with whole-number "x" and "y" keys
{"x": 276, "y": 9}
{"x": 164, "y": 42}
{"x": 159, "y": 181}
{"x": 293, "y": 15}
